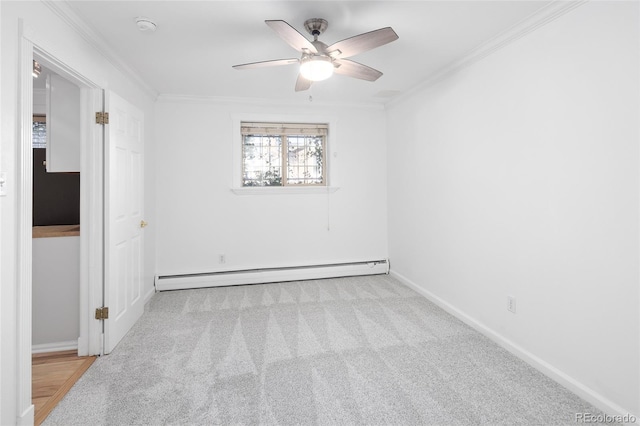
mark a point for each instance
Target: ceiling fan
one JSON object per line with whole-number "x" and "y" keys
{"x": 319, "y": 61}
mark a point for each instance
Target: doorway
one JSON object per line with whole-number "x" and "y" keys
{"x": 86, "y": 170}
{"x": 86, "y": 251}
{"x": 56, "y": 212}
{"x": 91, "y": 216}
{"x": 104, "y": 155}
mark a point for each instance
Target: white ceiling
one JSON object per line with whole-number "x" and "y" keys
{"x": 197, "y": 42}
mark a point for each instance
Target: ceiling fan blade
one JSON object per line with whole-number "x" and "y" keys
{"x": 361, "y": 43}
{"x": 264, "y": 64}
{"x": 291, "y": 36}
{"x": 356, "y": 70}
{"x": 302, "y": 83}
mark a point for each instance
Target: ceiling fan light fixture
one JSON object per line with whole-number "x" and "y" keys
{"x": 316, "y": 68}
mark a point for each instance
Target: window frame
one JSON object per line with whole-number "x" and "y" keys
{"x": 284, "y": 131}
{"x": 331, "y": 164}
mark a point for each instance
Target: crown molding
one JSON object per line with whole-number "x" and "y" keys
{"x": 64, "y": 10}
{"x": 548, "y": 13}
{"x": 226, "y": 101}
{"x": 537, "y": 19}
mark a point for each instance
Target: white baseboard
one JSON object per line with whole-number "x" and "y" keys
{"x": 586, "y": 393}
{"x": 54, "y": 347}
{"x": 83, "y": 347}
{"x": 149, "y": 295}
{"x": 271, "y": 275}
{"x": 27, "y": 418}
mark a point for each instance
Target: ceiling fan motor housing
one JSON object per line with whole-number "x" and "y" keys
{"x": 316, "y": 26}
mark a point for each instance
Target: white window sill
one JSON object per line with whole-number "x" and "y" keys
{"x": 284, "y": 190}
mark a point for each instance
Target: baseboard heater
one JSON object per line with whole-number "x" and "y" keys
{"x": 270, "y": 275}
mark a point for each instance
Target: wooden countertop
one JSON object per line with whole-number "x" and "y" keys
{"x": 56, "y": 231}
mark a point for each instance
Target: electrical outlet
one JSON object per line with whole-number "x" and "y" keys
{"x": 511, "y": 304}
{"x": 222, "y": 258}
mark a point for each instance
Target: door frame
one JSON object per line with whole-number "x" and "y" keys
{"x": 92, "y": 158}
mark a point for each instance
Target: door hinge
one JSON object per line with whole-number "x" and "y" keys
{"x": 102, "y": 117}
{"x": 102, "y": 313}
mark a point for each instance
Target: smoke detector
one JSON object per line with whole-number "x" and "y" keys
{"x": 145, "y": 25}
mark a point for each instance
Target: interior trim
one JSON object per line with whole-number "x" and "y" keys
{"x": 24, "y": 196}
{"x": 537, "y": 19}
{"x": 67, "y": 13}
{"x": 533, "y": 360}
{"x": 284, "y": 190}
{"x": 226, "y": 101}
{"x": 54, "y": 347}
{"x": 270, "y": 275}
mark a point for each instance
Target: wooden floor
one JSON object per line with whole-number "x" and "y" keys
{"x": 53, "y": 374}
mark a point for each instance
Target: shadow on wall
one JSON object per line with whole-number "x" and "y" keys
{"x": 56, "y": 196}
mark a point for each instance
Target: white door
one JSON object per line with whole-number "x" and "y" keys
{"x": 124, "y": 200}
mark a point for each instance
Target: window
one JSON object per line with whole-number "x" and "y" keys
{"x": 39, "y": 132}
{"x": 283, "y": 154}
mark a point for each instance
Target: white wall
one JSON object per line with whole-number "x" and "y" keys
{"x": 52, "y": 34}
{"x": 199, "y": 217}
{"x": 519, "y": 176}
{"x": 56, "y": 291}
{"x": 39, "y": 101}
{"x": 3, "y": 354}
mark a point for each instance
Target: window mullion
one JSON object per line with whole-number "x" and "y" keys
{"x": 324, "y": 161}
{"x": 285, "y": 159}
{"x": 242, "y": 160}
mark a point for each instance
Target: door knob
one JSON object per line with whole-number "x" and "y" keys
{"x": 143, "y": 224}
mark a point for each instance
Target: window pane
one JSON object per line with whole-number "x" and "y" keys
{"x": 39, "y": 135}
{"x": 305, "y": 160}
{"x": 262, "y": 160}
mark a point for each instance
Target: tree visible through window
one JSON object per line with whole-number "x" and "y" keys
{"x": 279, "y": 154}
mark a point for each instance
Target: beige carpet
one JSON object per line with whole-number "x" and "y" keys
{"x": 364, "y": 350}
